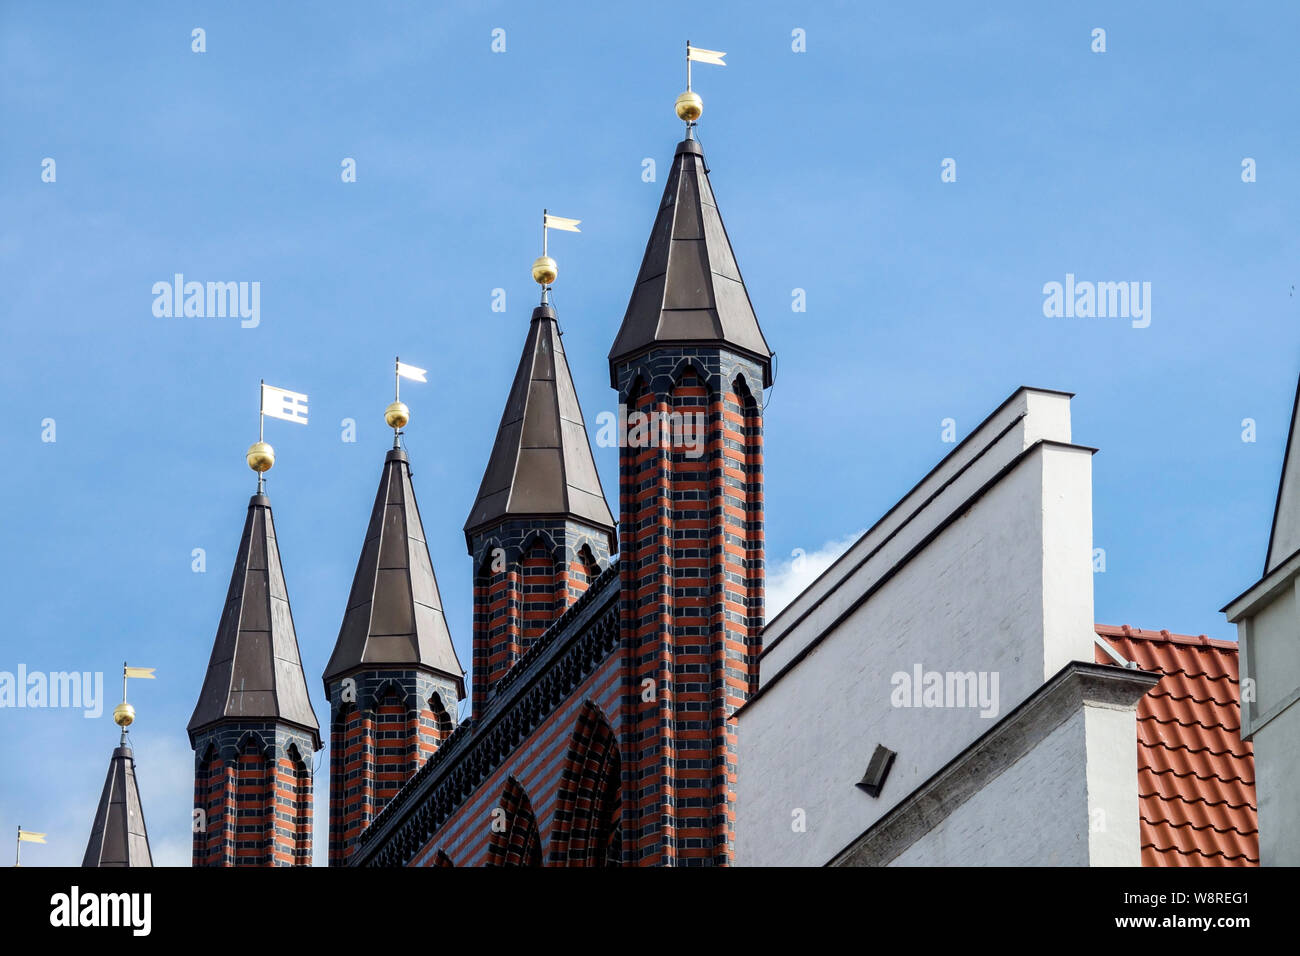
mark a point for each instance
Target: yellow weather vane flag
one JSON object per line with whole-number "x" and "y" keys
{"x": 25, "y": 836}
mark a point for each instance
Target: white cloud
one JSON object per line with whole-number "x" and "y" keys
{"x": 785, "y": 581}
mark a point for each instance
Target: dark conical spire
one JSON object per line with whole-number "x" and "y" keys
{"x": 119, "y": 837}
{"x": 255, "y": 672}
{"x": 541, "y": 464}
{"x": 394, "y": 615}
{"x": 1284, "y": 541}
{"x": 689, "y": 289}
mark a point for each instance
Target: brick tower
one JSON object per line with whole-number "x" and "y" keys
{"x": 689, "y": 364}
{"x": 394, "y": 682}
{"x": 254, "y": 731}
{"x": 540, "y": 530}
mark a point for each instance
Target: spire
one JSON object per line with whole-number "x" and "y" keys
{"x": 541, "y": 464}
{"x": 689, "y": 289}
{"x": 119, "y": 837}
{"x": 1284, "y": 540}
{"x": 255, "y": 672}
{"x": 394, "y": 615}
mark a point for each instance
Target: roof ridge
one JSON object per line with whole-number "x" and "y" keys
{"x": 1203, "y": 673}
{"x": 1163, "y": 635}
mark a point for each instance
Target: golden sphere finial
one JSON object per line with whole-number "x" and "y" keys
{"x": 544, "y": 270}
{"x": 124, "y": 714}
{"x": 260, "y": 457}
{"x": 397, "y": 415}
{"x": 689, "y": 106}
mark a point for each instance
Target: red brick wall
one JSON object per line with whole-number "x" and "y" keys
{"x": 497, "y": 638}
{"x": 538, "y": 766}
{"x": 252, "y": 802}
{"x": 577, "y": 577}
{"x": 516, "y": 602}
{"x": 256, "y": 810}
{"x": 393, "y": 749}
{"x": 292, "y": 803}
{"x": 645, "y": 510}
{"x": 540, "y": 600}
{"x": 351, "y": 781}
{"x": 693, "y": 585}
{"x": 213, "y": 792}
{"x": 372, "y": 755}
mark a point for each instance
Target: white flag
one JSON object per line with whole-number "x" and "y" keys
{"x": 411, "y": 372}
{"x": 701, "y": 55}
{"x": 282, "y": 403}
{"x": 560, "y": 222}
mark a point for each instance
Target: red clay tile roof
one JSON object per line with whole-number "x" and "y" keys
{"x": 1196, "y": 777}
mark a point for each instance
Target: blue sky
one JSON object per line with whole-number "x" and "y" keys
{"x": 924, "y": 298}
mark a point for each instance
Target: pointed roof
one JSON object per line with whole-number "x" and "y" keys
{"x": 394, "y": 615}
{"x": 689, "y": 289}
{"x": 255, "y": 672}
{"x": 119, "y": 837}
{"x": 1284, "y": 540}
{"x": 541, "y": 464}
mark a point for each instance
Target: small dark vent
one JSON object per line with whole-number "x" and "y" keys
{"x": 873, "y": 781}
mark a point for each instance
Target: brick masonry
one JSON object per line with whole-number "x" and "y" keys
{"x": 252, "y": 795}
{"x": 529, "y": 571}
{"x": 384, "y": 724}
{"x": 691, "y": 560}
{"x": 606, "y": 739}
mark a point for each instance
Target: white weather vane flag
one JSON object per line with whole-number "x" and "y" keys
{"x": 284, "y": 404}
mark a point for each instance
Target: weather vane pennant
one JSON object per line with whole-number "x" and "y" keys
{"x": 397, "y": 415}
{"x": 689, "y": 105}
{"x": 411, "y": 372}
{"x": 701, "y": 55}
{"x": 26, "y": 836}
{"x": 284, "y": 404}
{"x": 124, "y": 713}
{"x": 559, "y": 222}
{"x": 545, "y": 269}
{"x": 278, "y": 403}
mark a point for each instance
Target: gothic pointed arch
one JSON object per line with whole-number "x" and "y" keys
{"x": 212, "y": 779}
{"x": 588, "y": 813}
{"x": 298, "y": 820}
{"x": 442, "y": 721}
{"x": 516, "y": 840}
